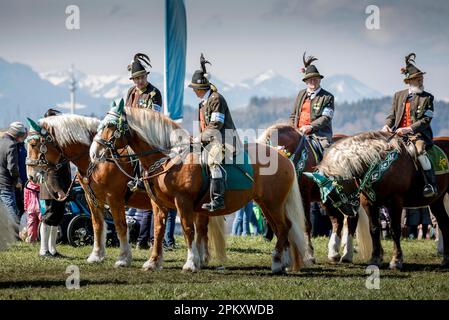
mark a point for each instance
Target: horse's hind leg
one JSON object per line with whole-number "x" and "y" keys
{"x": 308, "y": 234}
{"x": 439, "y": 210}
{"x": 281, "y": 256}
{"x": 201, "y": 240}
{"x": 159, "y": 220}
{"x": 99, "y": 249}
{"x": 118, "y": 214}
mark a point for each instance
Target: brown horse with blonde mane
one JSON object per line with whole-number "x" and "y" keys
{"x": 381, "y": 169}
{"x": 174, "y": 180}
{"x": 298, "y": 148}
{"x": 68, "y": 137}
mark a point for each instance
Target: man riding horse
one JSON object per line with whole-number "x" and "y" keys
{"x": 142, "y": 95}
{"x": 411, "y": 114}
{"x": 217, "y": 132}
{"x": 314, "y": 107}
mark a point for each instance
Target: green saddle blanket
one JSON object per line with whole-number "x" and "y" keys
{"x": 439, "y": 160}
{"x": 240, "y": 175}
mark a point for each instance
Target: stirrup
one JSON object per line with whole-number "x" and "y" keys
{"x": 429, "y": 191}
{"x": 136, "y": 186}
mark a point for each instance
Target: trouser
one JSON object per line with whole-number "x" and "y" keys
{"x": 54, "y": 212}
{"x": 8, "y": 198}
{"x": 146, "y": 232}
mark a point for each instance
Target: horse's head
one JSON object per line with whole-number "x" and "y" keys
{"x": 113, "y": 133}
{"x": 341, "y": 194}
{"x": 43, "y": 152}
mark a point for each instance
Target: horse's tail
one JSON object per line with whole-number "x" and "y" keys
{"x": 8, "y": 228}
{"x": 446, "y": 203}
{"x": 295, "y": 213}
{"x": 363, "y": 235}
{"x": 217, "y": 237}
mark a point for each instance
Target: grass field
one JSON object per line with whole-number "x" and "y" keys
{"x": 23, "y": 275}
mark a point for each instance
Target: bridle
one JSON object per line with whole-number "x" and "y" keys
{"x": 45, "y": 138}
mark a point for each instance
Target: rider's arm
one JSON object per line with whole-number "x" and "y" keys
{"x": 293, "y": 114}
{"x": 391, "y": 118}
{"x": 326, "y": 116}
{"x": 217, "y": 118}
{"x": 424, "y": 122}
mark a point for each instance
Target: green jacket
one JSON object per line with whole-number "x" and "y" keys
{"x": 218, "y": 119}
{"x": 321, "y": 113}
{"x": 421, "y": 113}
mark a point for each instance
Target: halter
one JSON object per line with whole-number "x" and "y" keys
{"x": 45, "y": 137}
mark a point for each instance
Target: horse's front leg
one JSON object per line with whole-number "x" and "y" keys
{"x": 348, "y": 239}
{"x": 395, "y": 215}
{"x": 118, "y": 214}
{"x": 335, "y": 240}
{"x": 99, "y": 249}
{"x": 184, "y": 206}
{"x": 159, "y": 221}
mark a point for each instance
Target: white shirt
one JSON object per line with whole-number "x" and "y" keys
{"x": 205, "y": 97}
{"x": 314, "y": 93}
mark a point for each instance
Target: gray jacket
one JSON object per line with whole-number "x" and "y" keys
{"x": 9, "y": 162}
{"x": 321, "y": 113}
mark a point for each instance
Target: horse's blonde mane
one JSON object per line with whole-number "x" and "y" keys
{"x": 349, "y": 157}
{"x": 269, "y": 131}
{"x": 71, "y": 128}
{"x": 154, "y": 128}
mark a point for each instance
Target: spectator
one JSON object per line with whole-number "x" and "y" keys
{"x": 146, "y": 234}
{"x": 244, "y": 217}
{"x": 32, "y": 209}
{"x": 22, "y": 154}
{"x": 53, "y": 210}
{"x": 416, "y": 217}
{"x": 9, "y": 166}
{"x": 321, "y": 225}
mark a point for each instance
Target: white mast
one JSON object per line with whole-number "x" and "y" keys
{"x": 72, "y": 88}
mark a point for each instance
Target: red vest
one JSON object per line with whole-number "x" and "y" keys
{"x": 406, "y": 119}
{"x": 304, "y": 118}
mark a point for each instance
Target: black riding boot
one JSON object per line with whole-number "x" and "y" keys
{"x": 217, "y": 195}
{"x": 430, "y": 188}
{"x": 136, "y": 185}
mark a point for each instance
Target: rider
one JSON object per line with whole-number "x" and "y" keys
{"x": 142, "y": 95}
{"x": 411, "y": 114}
{"x": 314, "y": 107}
{"x": 217, "y": 132}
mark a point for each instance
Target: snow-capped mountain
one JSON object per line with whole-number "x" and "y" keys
{"x": 25, "y": 93}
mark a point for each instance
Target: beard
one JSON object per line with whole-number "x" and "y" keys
{"x": 416, "y": 89}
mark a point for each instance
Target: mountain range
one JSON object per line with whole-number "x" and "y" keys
{"x": 27, "y": 93}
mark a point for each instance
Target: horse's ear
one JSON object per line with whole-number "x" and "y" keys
{"x": 113, "y": 104}
{"x": 121, "y": 106}
{"x": 34, "y": 125}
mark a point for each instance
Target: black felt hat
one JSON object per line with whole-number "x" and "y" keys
{"x": 200, "y": 79}
{"x": 136, "y": 68}
{"x": 309, "y": 70}
{"x": 411, "y": 71}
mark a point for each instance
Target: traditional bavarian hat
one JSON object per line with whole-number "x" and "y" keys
{"x": 309, "y": 69}
{"x": 136, "y": 68}
{"x": 411, "y": 71}
{"x": 200, "y": 79}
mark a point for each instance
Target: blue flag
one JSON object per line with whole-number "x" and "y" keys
{"x": 175, "y": 57}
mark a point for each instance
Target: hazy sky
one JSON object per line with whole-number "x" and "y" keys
{"x": 240, "y": 37}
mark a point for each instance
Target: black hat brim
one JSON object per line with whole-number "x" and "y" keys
{"x": 138, "y": 74}
{"x": 312, "y": 75}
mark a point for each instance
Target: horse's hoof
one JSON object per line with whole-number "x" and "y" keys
{"x": 190, "y": 267}
{"x": 122, "y": 263}
{"x": 334, "y": 259}
{"x": 444, "y": 265}
{"x": 310, "y": 261}
{"x": 395, "y": 265}
{"x": 95, "y": 259}
{"x": 345, "y": 260}
{"x": 375, "y": 262}
{"x": 151, "y": 265}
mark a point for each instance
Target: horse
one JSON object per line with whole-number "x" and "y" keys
{"x": 68, "y": 138}
{"x": 174, "y": 179}
{"x": 298, "y": 148}
{"x": 8, "y": 228}
{"x": 377, "y": 169}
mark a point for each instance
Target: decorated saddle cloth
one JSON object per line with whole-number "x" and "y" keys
{"x": 238, "y": 173}
{"x": 439, "y": 160}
